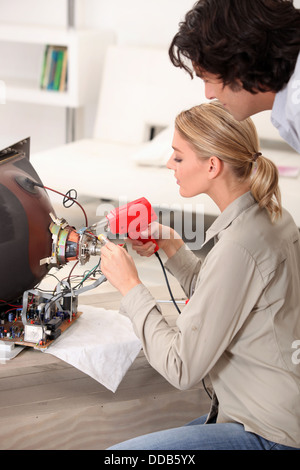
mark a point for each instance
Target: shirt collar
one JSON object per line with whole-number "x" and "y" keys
{"x": 234, "y": 210}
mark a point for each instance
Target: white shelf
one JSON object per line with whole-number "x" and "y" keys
{"x": 38, "y": 35}
{"x": 85, "y": 57}
{"x": 27, "y": 91}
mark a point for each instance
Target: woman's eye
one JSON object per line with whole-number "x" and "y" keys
{"x": 177, "y": 159}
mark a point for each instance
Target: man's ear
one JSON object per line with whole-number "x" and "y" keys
{"x": 215, "y": 167}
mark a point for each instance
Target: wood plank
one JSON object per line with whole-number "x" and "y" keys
{"x": 63, "y": 408}
{"x": 101, "y": 425}
{"x": 66, "y": 387}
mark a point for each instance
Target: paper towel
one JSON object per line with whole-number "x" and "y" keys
{"x": 101, "y": 343}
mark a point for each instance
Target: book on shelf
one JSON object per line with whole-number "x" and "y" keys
{"x": 55, "y": 68}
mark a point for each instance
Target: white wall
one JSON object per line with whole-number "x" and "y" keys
{"x": 140, "y": 22}
{"x": 134, "y": 22}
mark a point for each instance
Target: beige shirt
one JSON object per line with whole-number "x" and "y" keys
{"x": 240, "y": 323}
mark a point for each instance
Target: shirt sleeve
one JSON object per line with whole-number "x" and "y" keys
{"x": 226, "y": 292}
{"x": 185, "y": 267}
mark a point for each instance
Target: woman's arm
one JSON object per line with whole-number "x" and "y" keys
{"x": 227, "y": 289}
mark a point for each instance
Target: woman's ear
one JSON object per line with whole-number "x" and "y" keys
{"x": 215, "y": 167}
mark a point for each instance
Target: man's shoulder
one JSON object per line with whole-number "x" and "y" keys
{"x": 286, "y": 110}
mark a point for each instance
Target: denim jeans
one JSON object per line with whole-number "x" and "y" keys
{"x": 199, "y": 436}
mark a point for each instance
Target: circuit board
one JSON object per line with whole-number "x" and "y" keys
{"x": 30, "y": 323}
{"x": 15, "y": 332}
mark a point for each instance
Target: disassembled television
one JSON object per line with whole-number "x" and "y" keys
{"x": 32, "y": 241}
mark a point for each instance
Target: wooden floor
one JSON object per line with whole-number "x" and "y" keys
{"x": 46, "y": 403}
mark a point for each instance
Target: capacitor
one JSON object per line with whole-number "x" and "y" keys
{"x": 11, "y": 317}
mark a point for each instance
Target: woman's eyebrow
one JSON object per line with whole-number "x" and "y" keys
{"x": 176, "y": 149}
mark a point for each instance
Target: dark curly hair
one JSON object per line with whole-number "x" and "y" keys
{"x": 256, "y": 42}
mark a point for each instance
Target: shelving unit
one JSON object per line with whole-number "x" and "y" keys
{"x": 85, "y": 51}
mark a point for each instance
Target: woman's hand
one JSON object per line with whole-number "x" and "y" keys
{"x": 166, "y": 238}
{"x": 119, "y": 268}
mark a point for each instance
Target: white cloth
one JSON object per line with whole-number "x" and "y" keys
{"x": 101, "y": 343}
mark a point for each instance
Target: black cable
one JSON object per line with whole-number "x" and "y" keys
{"x": 177, "y": 308}
{"x": 68, "y": 199}
{"x": 206, "y": 389}
{"x": 167, "y": 281}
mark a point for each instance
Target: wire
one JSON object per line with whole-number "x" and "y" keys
{"x": 89, "y": 273}
{"x": 206, "y": 389}
{"x": 167, "y": 282}
{"x": 177, "y": 308}
{"x": 9, "y": 304}
{"x": 66, "y": 197}
{"x": 69, "y": 198}
{"x": 72, "y": 199}
{"x": 70, "y": 273}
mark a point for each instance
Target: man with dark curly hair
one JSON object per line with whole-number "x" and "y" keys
{"x": 247, "y": 53}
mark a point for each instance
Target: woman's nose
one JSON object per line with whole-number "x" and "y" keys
{"x": 170, "y": 163}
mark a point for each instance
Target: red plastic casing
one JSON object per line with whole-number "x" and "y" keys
{"x": 133, "y": 218}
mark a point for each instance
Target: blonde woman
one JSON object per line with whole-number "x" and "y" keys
{"x": 243, "y": 315}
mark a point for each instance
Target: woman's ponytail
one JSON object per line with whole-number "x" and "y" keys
{"x": 264, "y": 187}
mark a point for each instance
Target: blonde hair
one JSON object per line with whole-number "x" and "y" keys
{"x": 211, "y": 130}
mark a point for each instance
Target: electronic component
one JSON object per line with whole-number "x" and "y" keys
{"x": 38, "y": 320}
{"x": 33, "y": 240}
{"x": 69, "y": 244}
{"x": 33, "y": 334}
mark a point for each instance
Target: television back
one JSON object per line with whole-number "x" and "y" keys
{"x": 24, "y": 223}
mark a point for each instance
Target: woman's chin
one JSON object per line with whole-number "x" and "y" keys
{"x": 184, "y": 193}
